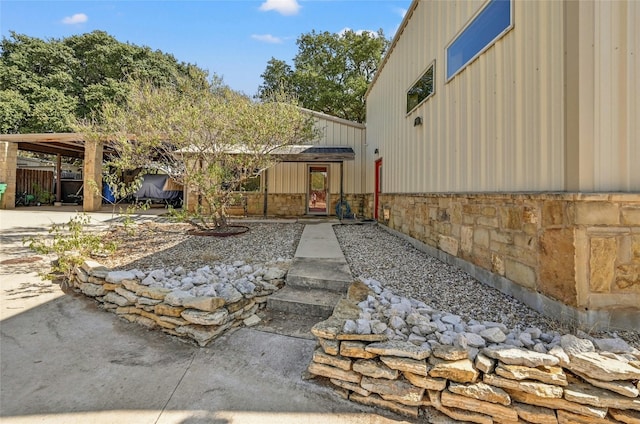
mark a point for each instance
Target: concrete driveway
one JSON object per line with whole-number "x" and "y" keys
{"x": 65, "y": 361}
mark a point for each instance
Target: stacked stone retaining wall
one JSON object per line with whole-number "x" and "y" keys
{"x": 175, "y": 312}
{"x": 480, "y": 380}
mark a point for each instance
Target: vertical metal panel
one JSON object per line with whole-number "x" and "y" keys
{"x": 292, "y": 177}
{"x": 497, "y": 126}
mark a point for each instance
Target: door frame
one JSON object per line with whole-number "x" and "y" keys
{"x": 327, "y": 196}
{"x": 378, "y": 187}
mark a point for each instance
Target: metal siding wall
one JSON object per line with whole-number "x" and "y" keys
{"x": 292, "y": 177}
{"x": 616, "y": 94}
{"x": 497, "y": 126}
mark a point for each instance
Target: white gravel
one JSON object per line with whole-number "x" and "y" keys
{"x": 374, "y": 253}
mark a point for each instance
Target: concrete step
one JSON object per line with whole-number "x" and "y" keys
{"x": 320, "y": 273}
{"x": 286, "y": 324}
{"x": 304, "y": 301}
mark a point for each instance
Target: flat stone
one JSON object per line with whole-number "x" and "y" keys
{"x": 333, "y": 372}
{"x": 355, "y": 349}
{"x": 116, "y": 277}
{"x": 147, "y": 301}
{"x": 375, "y": 369}
{"x": 461, "y": 371}
{"x": 562, "y": 356}
{"x": 330, "y": 347}
{"x": 362, "y": 337}
{"x": 549, "y": 375}
{"x": 517, "y": 356}
{"x": 624, "y": 388}
{"x": 374, "y": 400}
{"x": 168, "y": 310}
{"x": 586, "y": 394}
{"x": 130, "y": 296}
{"x": 350, "y": 386}
{"x": 534, "y": 388}
{"x": 556, "y": 403}
{"x": 613, "y": 345}
{"x": 321, "y": 357}
{"x": 230, "y": 294}
{"x": 429, "y": 383}
{"x": 627, "y": 417}
{"x": 400, "y": 387}
{"x": 95, "y": 269}
{"x": 116, "y": 299}
{"x": 599, "y": 367}
{"x": 346, "y": 309}
{"x": 449, "y": 353}
{"x": 81, "y": 274}
{"x": 205, "y": 318}
{"x": 485, "y": 364}
{"x": 328, "y": 329}
{"x": 535, "y": 414}
{"x": 93, "y": 290}
{"x": 202, "y": 334}
{"x": 481, "y": 391}
{"x": 565, "y": 417}
{"x": 413, "y": 366}
{"x": 496, "y": 411}
{"x": 465, "y": 416}
{"x": 358, "y": 291}
{"x": 203, "y": 303}
{"x": 251, "y": 320}
{"x": 399, "y": 399}
{"x": 399, "y": 348}
{"x": 157, "y": 293}
{"x": 573, "y": 345}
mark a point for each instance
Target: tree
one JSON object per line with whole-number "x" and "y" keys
{"x": 207, "y": 137}
{"x": 332, "y": 72}
{"x": 45, "y": 85}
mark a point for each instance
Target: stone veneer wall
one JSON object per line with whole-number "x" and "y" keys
{"x": 503, "y": 384}
{"x": 575, "y": 257}
{"x": 294, "y": 204}
{"x": 200, "y": 318}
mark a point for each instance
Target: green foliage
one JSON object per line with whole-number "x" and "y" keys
{"x": 45, "y": 85}
{"x": 71, "y": 243}
{"x": 332, "y": 72}
{"x": 42, "y": 195}
{"x": 207, "y": 137}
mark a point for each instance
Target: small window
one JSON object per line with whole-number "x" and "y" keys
{"x": 421, "y": 90}
{"x": 491, "y": 23}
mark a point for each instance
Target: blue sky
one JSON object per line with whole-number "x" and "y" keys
{"x": 231, "y": 38}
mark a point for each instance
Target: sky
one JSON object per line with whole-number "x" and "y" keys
{"x": 233, "y": 39}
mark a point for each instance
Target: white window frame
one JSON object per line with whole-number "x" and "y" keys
{"x": 481, "y": 51}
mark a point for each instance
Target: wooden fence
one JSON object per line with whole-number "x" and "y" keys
{"x": 33, "y": 181}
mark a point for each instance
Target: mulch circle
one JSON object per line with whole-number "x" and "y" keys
{"x": 229, "y": 230}
{"x": 26, "y": 260}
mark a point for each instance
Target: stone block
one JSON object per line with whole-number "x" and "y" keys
{"x": 481, "y": 237}
{"x": 429, "y": 383}
{"x": 413, "y": 366}
{"x": 534, "y": 388}
{"x": 321, "y": 357}
{"x": 375, "y": 369}
{"x": 602, "y": 261}
{"x": 510, "y": 218}
{"x": 168, "y": 310}
{"x": 496, "y": 411}
{"x": 544, "y": 374}
{"x": 565, "y": 417}
{"x": 374, "y": 400}
{"x": 355, "y": 349}
{"x": 461, "y": 371}
{"x": 597, "y": 213}
{"x": 497, "y": 264}
{"x": 481, "y": 391}
{"x": 520, "y": 273}
{"x": 400, "y": 387}
{"x": 466, "y": 238}
{"x": 557, "y": 265}
{"x": 630, "y": 215}
{"x": 535, "y": 414}
{"x": 350, "y": 386}
{"x": 330, "y": 347}
{"x": 333, "y": 372}
{"x": 586, "y": 394}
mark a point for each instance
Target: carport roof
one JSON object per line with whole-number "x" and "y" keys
{"x": 66, "y": 144}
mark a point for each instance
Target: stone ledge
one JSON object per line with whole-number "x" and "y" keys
{"x": 568, "y": 380}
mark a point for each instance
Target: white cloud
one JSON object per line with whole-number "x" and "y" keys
{"x": 284, "y": 7}
{"x": 78, "y": 18}
{"x": 267, "y": 38}
{"x": 400, "y": 11}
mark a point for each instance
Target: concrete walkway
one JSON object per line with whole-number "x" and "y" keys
{"x": 62, "y": 360}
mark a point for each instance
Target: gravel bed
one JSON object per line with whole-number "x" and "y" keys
{"x": 375, "y": 253}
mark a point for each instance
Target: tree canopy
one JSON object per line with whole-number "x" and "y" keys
{"x": 331, "y": 72}
{"x": 45, "y": 85}
{"x": 207, "y": 137}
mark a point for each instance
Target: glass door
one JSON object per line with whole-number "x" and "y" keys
{"x": 318, "y": 194}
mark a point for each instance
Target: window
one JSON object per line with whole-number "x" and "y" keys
{"x": 492, "y": 22}
{"x": 421, "y": 90}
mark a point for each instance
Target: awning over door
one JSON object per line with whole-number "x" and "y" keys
{"x": 314, "y": 153}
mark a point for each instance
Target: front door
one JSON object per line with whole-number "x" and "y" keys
{"x": 318, "y": 193}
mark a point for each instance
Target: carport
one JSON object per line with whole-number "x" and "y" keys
{"x": 58, "y": 144}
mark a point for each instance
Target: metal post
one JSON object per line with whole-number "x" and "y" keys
{"x": 59, "y": 178}
{"x": 341, "y": 190}
{"x": 266, "y": 185}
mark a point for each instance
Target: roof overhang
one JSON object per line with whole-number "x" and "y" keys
{"x": 65, "y": 144}
{"x": 314, "y": 153}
